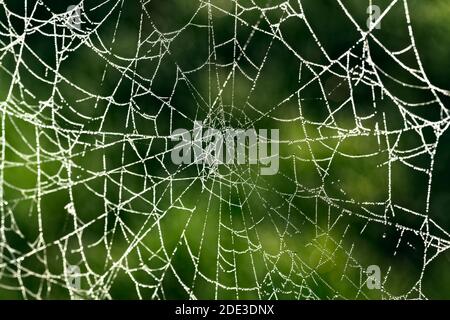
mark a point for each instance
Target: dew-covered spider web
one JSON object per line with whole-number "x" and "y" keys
{"x": 92, "y": 206}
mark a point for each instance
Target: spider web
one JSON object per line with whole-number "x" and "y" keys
{"x": 87, "y": 182}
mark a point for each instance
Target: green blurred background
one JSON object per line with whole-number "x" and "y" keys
{"x": 86, "y": 177}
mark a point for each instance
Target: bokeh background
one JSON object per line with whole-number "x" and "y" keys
{"x": 86, "y": 178}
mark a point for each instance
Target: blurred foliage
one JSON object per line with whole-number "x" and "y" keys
{"x": 111, "y": 74}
